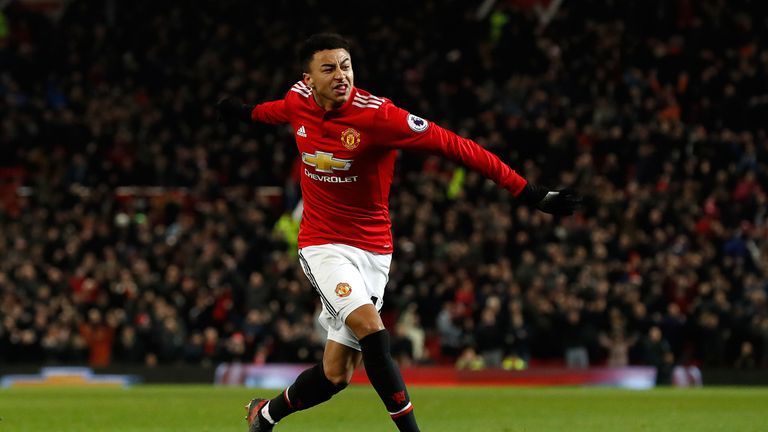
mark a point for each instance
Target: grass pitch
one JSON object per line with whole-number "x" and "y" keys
{"x": 357, "y": 409}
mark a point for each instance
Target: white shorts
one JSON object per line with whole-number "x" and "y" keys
{"x": 346, "y": 278}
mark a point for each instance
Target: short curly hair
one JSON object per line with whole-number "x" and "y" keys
{"x": 319, "y": 42}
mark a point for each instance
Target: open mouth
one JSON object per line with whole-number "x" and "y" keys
{"x": 340, "y": 89}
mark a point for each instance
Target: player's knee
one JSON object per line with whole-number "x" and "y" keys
{"x": 341, "y": 386}
{"x": 368, "y": 328}
{"x": 339, "y": 378}
{"x": 363, "y": 328}
{"x": 364, "y": 321}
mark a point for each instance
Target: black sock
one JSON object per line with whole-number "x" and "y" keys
{"x": 386, "y": 379}
{"x": 311, "y": 388}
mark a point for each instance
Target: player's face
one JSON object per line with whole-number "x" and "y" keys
{"x": 331, "y": 78}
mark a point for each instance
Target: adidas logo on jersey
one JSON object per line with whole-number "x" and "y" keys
{"x": 301, "y": 132}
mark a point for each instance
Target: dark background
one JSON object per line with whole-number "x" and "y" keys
{"x": 137, "y": 228}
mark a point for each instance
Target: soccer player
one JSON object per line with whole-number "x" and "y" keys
{"x": 348, "y": 140}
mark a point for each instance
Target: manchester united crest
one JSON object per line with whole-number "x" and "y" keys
{"x": 343, "y": 289}
{"x": 350, "y": 138}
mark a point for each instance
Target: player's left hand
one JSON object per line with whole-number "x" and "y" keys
{"x": 557, "y": 202}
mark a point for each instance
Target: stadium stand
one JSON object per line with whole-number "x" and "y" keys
{"x": 137, "y": 228}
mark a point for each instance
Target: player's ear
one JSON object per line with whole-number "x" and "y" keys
{"x": 308, "y": 80}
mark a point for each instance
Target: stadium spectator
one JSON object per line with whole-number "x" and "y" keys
{"x": 489, "y": 338}
{"x": 129, "y": 348}
{"x": 98, "y": 335}
{"x": 410, "y": 327}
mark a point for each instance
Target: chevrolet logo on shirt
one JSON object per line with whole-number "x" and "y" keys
{"x": 325, "y": 162}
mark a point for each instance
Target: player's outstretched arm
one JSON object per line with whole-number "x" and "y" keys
{"x": 233, "y": 108}
{"x": 557, "y": 202}
{"x": 398, "y": 128}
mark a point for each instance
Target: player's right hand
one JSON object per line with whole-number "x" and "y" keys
{"x": 557, "y": 202}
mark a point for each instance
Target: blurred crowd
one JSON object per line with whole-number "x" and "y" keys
{"x": 137, "y": 228}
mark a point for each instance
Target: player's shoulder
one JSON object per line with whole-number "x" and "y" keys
{"x": 365, "y": 100}
{"x": 376, "y": 108}
{"x": 299, "y": 90}
{"x": 388, "y": 115}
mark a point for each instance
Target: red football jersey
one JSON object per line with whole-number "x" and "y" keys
{"x": 348, "y": 157}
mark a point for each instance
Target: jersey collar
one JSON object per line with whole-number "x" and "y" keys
{"x": 348, "y": 103}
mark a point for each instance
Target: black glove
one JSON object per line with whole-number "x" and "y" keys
{"x": 562, "y": 202}
{"x": 232, "y": 108}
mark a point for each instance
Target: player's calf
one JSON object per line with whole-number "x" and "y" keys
{"x": 387, "y": 380}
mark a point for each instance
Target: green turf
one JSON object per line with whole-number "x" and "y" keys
{"x": 357, "y": 409}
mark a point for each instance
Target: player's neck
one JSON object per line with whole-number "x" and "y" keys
{"x": 327, "y": 104}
